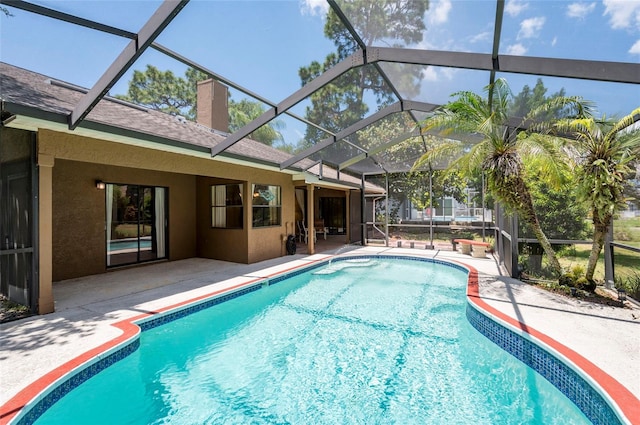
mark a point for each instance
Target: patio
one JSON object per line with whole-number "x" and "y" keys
{"x": 87, "y": 307}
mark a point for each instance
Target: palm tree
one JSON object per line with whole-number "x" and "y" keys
{"x": 605, "y": 152}
{"x": 500, "y": 151}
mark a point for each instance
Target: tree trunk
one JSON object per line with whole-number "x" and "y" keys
{"x": 546, "y": 245}
{"x": 520, "y": 198}
{"x": 600, "y": 229}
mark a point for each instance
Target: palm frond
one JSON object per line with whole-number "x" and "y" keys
{"x": 546, "y": 154}
{"x": 471, "y": 160}
{"x": 581, "y": 129}
{"x": 441, "y": 119}
{"x": 626, "y": 121}
{"x": 438, "y": 153}
{"x": 500, "y": 95}
{"x": 565, "y": 108}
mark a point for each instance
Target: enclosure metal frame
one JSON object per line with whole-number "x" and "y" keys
{"x": 607, "y": 71}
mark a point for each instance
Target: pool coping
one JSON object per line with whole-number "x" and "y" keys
{"x": 623, "y": 403}
{"x": 619, "y": 398}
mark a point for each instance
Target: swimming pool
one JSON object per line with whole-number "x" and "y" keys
{"x": 391, "y": 350}
{"x": 122, "y": 245}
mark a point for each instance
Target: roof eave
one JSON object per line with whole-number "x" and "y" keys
{"x": 32, "y": 119}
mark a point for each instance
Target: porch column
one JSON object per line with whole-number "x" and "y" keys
{"x": 45, "y": 228}
{"x": 311, "y": 245}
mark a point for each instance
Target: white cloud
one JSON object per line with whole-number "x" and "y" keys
{"x": 448, "y": 73}
{"x": 439, "y": 12}
{"x": 515, "y": 7}
{"x": 623, "y": 13}
{"x": 516, "y": 50}
{"x": 580, "y": 10}
{"x": 434, "y": 74}
{"x": 635, "y": 49}
{"x": 530, "y": 28}
{"x": 430, "y": 74}
{"x": 483, "y": 36}
{"x": 314, "y": 7}
{"x": 436, "y": 43}
{"x": 554, "y": 41}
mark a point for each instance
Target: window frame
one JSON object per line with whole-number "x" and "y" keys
{"x": 221, "y": 211}
{"x": 267, "y": 209}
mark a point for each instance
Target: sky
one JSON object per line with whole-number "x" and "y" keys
{"x": 261, "y": 44}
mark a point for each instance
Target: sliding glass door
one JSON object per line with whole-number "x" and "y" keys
{"x": 136, "y": 223}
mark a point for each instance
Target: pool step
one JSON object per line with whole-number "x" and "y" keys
{"x": 353, "y": 262}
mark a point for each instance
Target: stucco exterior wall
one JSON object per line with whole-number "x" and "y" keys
{"x": 247, "y": 245}
{"x": 79, "y": 214}
{"x": 269, "y": 242}
{"x": 19, "y": 149}
{"x": 79, "y": 208}
{"x": 220, "y": 244}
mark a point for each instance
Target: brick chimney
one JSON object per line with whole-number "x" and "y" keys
{"x": 212, "y": 105}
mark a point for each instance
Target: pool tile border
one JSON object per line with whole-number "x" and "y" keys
{"x": 598, "y": 395}
{"x": 75, "y": 380}
{"x": 164, "y": 318}
{"x": 565, "y": 379}
{"x": 35, "y": 399}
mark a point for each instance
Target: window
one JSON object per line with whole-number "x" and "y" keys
{"x": 226, "y": 206}
{"x": 266, "y": 205}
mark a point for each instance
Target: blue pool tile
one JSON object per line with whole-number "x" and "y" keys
{"x": 576, "y": 388}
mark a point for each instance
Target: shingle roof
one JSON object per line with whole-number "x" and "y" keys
{"x": 34, "y": 90}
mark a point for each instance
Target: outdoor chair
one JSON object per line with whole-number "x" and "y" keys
{"x": 304, "y": 232}
{"x": 319, "y": 227}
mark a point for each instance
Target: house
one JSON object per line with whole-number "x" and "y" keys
{"x": 132, "y": 185}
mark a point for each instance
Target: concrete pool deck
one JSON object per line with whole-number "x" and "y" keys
{"x": 87, "y": 307}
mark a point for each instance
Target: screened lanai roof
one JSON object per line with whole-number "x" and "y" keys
{"x": 416, "y": 53}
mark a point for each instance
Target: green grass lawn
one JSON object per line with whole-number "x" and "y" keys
{"x": 627, "y": 231}
{"x": 626, "y": 262}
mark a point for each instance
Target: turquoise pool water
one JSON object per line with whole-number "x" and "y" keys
{"x": 128, "y": 244}
{"x": 361, "y": 342}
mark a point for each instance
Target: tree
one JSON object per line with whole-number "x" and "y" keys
{"x": 245, "y": 111}
{"x": 414, "y": 186}
{"x": 605, "y": 150}
{"x": 500, "y": 151}
{"x": 527, "y": 100}
{"x": 559, "y": 211}
{"x": 341, "y": 102}
{"x": 164, "y": 91}
{"x": 632, "y": 190}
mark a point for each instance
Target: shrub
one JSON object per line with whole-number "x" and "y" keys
{"x": 578, "y": 271}
{"x": 631, "y": 284}
{"x": 567, "y": 280}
